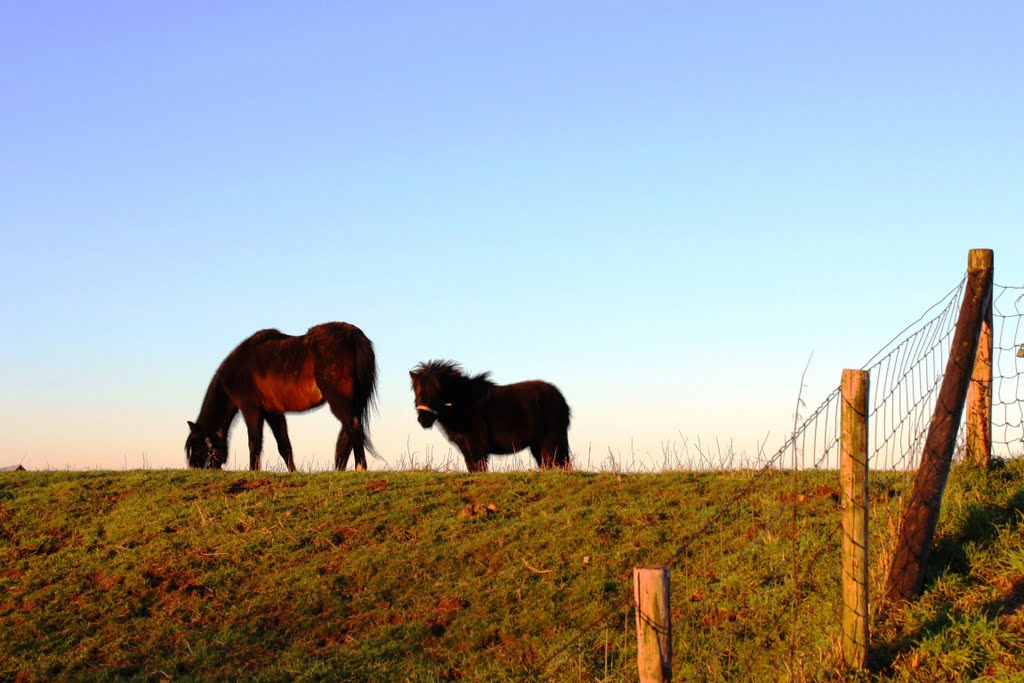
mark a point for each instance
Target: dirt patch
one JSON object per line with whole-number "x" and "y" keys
{"x": 475, "y": 510}
{"x": 170, "y": 580}
{"x": 347, "y": 536}
{"x": 819, "y": 492}
{"x": 444, "y": 614}
{"x": 248, "y": 485}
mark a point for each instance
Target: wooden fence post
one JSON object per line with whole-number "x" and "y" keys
{"x": 853, "y": 468}
{"x": 653, "y": 624}
{"x": 917, "y": 528}
{"x": 979, "y": 393}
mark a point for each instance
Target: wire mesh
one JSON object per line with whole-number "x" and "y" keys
{"x": 905, "y": 377}
{"x": 1007, "y": 371}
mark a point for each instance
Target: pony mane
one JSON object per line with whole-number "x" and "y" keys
{"x": 450, "y": 374}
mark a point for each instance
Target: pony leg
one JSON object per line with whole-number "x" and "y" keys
{"x": 474, "y": 462}
{"x": 563, "y": 457}
{"x": 279, "y": 427}
{"x": 254, "y": 425}
{"x": 553, "y": 453}
{"x": 473, "y": 448}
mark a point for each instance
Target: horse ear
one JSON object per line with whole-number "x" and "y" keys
{"x": 191, "y": 426}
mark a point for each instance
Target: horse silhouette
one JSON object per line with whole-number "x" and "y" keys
{"x": 483, "y": 418}
{"x": 272, "y": 373}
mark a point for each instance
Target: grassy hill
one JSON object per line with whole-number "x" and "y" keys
{"x": 424, "y": 576}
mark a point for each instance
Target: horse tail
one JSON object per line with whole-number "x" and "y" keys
{"x": 364, "y": 382}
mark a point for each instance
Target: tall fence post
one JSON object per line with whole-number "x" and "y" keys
{"x": 917, "y": 528}
{"x": 653, "y": 624}
{"x": 853, "y": 469}
{"x": 979, "y": 393}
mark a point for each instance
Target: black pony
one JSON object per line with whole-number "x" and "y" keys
{"x": 481, "y": 417}
{"x": 271, "y": 374}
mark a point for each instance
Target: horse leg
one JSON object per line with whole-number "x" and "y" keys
{"x": 345, "y": 445}
{"x": 279, "y": 427}
{"x": 254, "y": 424}
{"x": 342, "y": 449}
{"x": 337, "y": 391}
{"x": 359, "y": 443}
{"x": 351, "y": 436}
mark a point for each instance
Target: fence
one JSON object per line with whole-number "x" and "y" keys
{"x": 789, "y": 537}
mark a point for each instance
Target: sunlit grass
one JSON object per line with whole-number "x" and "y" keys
{"x": 432, "y": 575}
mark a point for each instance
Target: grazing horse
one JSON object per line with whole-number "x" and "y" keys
{"x": 271, "y": 374}
{"x": 481, "y": 417}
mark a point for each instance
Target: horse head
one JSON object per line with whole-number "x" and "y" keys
{"x": 205, "y": 451}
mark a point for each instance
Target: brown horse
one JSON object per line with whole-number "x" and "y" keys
{"x": 271, "y": 374}
{"x": 481, "y": 417}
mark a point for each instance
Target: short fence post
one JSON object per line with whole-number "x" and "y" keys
{"x": 653, "y": 624}
{"x": 853, "y": 470}
{"x": 979, "y": 393}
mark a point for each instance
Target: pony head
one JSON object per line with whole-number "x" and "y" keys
{"x": 442, "y": 389}
{"x": 205, "y": 451}
{"x": 430, "y": 383}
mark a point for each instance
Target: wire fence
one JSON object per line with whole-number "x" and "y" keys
{"x": 905, "y": 378}
{"x": 1007, "y": 371}
{"x": 787, "y": 538}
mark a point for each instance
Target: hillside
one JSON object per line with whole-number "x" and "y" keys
{"x": 424, "y": 576}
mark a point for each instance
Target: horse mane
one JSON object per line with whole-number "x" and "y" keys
{"x": 449, "y": 374}
{"x": 216, "y": 406}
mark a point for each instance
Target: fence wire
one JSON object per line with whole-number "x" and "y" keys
{"x": 1007, "y": 371}
{"x": 905, "y": 377}
{"x": 779, "y": 504}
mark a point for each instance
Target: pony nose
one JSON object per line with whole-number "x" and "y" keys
{"x": 426, "y": 409}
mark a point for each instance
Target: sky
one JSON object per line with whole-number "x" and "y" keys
{"x": 667, "y": 209}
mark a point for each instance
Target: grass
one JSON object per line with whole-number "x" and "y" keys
{"x": 426, "y": 576}
{"x": 969, "y": 624}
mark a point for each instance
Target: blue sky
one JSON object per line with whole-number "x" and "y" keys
{"x": 663, "y": 208}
